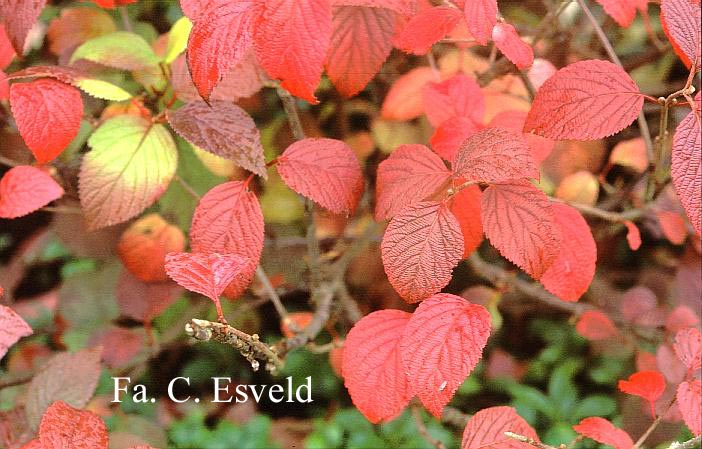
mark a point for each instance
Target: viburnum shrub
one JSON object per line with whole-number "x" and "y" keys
{"x": 482, "y": 154}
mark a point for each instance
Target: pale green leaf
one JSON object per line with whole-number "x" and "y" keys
{"x": 130, "y": 166}
{"x": 121, "y": 50}
{"x": 178, "y": 39}
{"x": 102, "y": 89}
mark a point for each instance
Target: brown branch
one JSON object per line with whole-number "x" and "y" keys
{"x": 248, "y": 345}
{"x": 614, "y": 217}
{"x": 422, "y": 428}
{"x": 529, "y": 441}
{"x": 454, "y": 417}
{"x": 689, "y": 444}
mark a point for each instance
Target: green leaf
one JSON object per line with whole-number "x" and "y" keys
{"x": 121, "y": 50}
{"x": 561, "y": 388}
{"x": 596, "y": 405}
{"x": 130, "y": 166}
{"x": 102, "y": 89}
{"x": 178, "y": 39}
{"x": 532, "y": 398}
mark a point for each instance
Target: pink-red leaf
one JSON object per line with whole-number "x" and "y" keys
{"x": 12, "y": 328}
{"x": 372, "y": 367}
{"x": 622, "y": 11}
{"x": 595, "y": 325}
{"x": 325, "y": 171}
{"x": 7, "y": 53}
{"x": 646, "y": 384}
{"x": 427, "y": 28}
{"x": 571, "y": 273}
{"x": 404, "y": 7}
{"x": 587, "y": 100}
{"x": 411, "y": 174}
{"x": 221, "y": 37}
{"x": 207, "y": 274}
{"x": 512, "y": 46}
{"x": 457, "y": 96}
{"x": 688, "y": 348}
{"x": 361, "y": 41}
{"x": 486, "y": 429}
{"x": 514, "y": 121}
{"x": 47, "y": 113}
{"x": 228, "y": 220}
{"x": 495, "y": 155}
{"x": 680, "y": 318}
{"x": 144, "y": 301}
{"x": 451, "y": 134}
{"x": 20, "y": 16}
{"x": 404, "y": 100}
{"x": 441, "y": 345}
{"x": 687, "y": 165}
{"x": 603, "y": 431}
{"x": 633, "y": 235}
{"x": 681, "y": 22}
{"x": 64, "y": 427}
{"x": 420, "y": 248}
{"x": 518, "y": 220}
{"x": 25, "y": 189}
{"x": 193, "y": 8}
{"x": 292, "y": 40}
{"x": 639, "y": 306}
{"x": 465, "y": 206}
{"x": 223, "y": 129}
{"x": 689, "y": 398}
{"x": 481, "y": 17}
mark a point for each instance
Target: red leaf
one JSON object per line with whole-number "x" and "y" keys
{"x": 221, "y": 37}
{"x": 571, "y": 273}
{"x": 124, "y": 344}
{"x": 144, "y": 301}
{"x": 690, "y": 404}
{"x": 622, "y": 11}
{"x": 518, "y": 220}
{"x": 687, "y": 165}
{"x": 688, "y": 348}
{"x": 404, "y": 7}
{"x": 20, "y": 16}
{"x": 486, "y": 430}
{"x": 639, "y": 306}
{"x": 360, "y": 44}
{"x": 207, "y": 274}
{"x": 427, "y": 28}
{"x": 595, "y": 325}
{"x": 228, "y": 220}
{"x": 25, "y": 189}
{"x": 512, "y": 46}
{"x": 48, "y": 114}
{"x": 223, "y": 129}
{"x": 372, "y": 367}
{"x": 466, "y": 208}
{"x": 420, "y": 248}
{"x": 495, "y": 155}
{"x": 456, "y": 96}
{"x": 292, "y": 41}
{"x": 404, "y": 100}
{"x": 4, "y": 86}
{"x": 448, "y": 137}
{"x": 603, "y": 431}
{"x": 7, "y": 53}
{"x": 587, "y": 100}
{"x": 33, "y": 444}
{"x": 681, "y": 23}
{"x": 64, "y": 427}
{"x": 193, "y": 8}
{"x": 673, "y": 226}
{"x": 12, "y": 328}
{"x": 646, "y": 384}
{"x": 325, "y": 171}
{"x": 300, "y": 320}
{"x": 633, "y": 235}
{"x": 441, "y": 345}
{"x": 113, "y": 3}
{"x": 514, "y": 121}
{"x": 481, "y": 17}
{"x": 411, "y": 174}
{"x": 68, "y": 377}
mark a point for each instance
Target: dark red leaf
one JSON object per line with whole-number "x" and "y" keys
{"x": 24, "y": 189}
{"x": 64, "y": 427}
{"x": 486, "y": 430}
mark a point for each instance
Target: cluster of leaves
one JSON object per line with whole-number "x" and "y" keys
{"x": 476, "y": 179}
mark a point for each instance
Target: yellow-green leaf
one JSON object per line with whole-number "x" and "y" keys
{"x": 102, "y": 89}
{"x": 178, "y": 39}
{"x": 121, "y": 50}
{"x": 130, "y": 166}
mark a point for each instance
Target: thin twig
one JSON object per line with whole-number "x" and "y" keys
{"x": 689, "y": 444}
{"x": 529, "y": 441}
{"x": 9, "y": 162}
{"x": 648, "y": 432}
{"x": 188, "y": 188}
{"x": 125, "y": 19}
{"x": 643, "y": 124}
{"x": 422, "y": 428}
{"x": 248, "y": 345}
{"x": 614, "y": 217}
{"x": 273, "y": 295}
